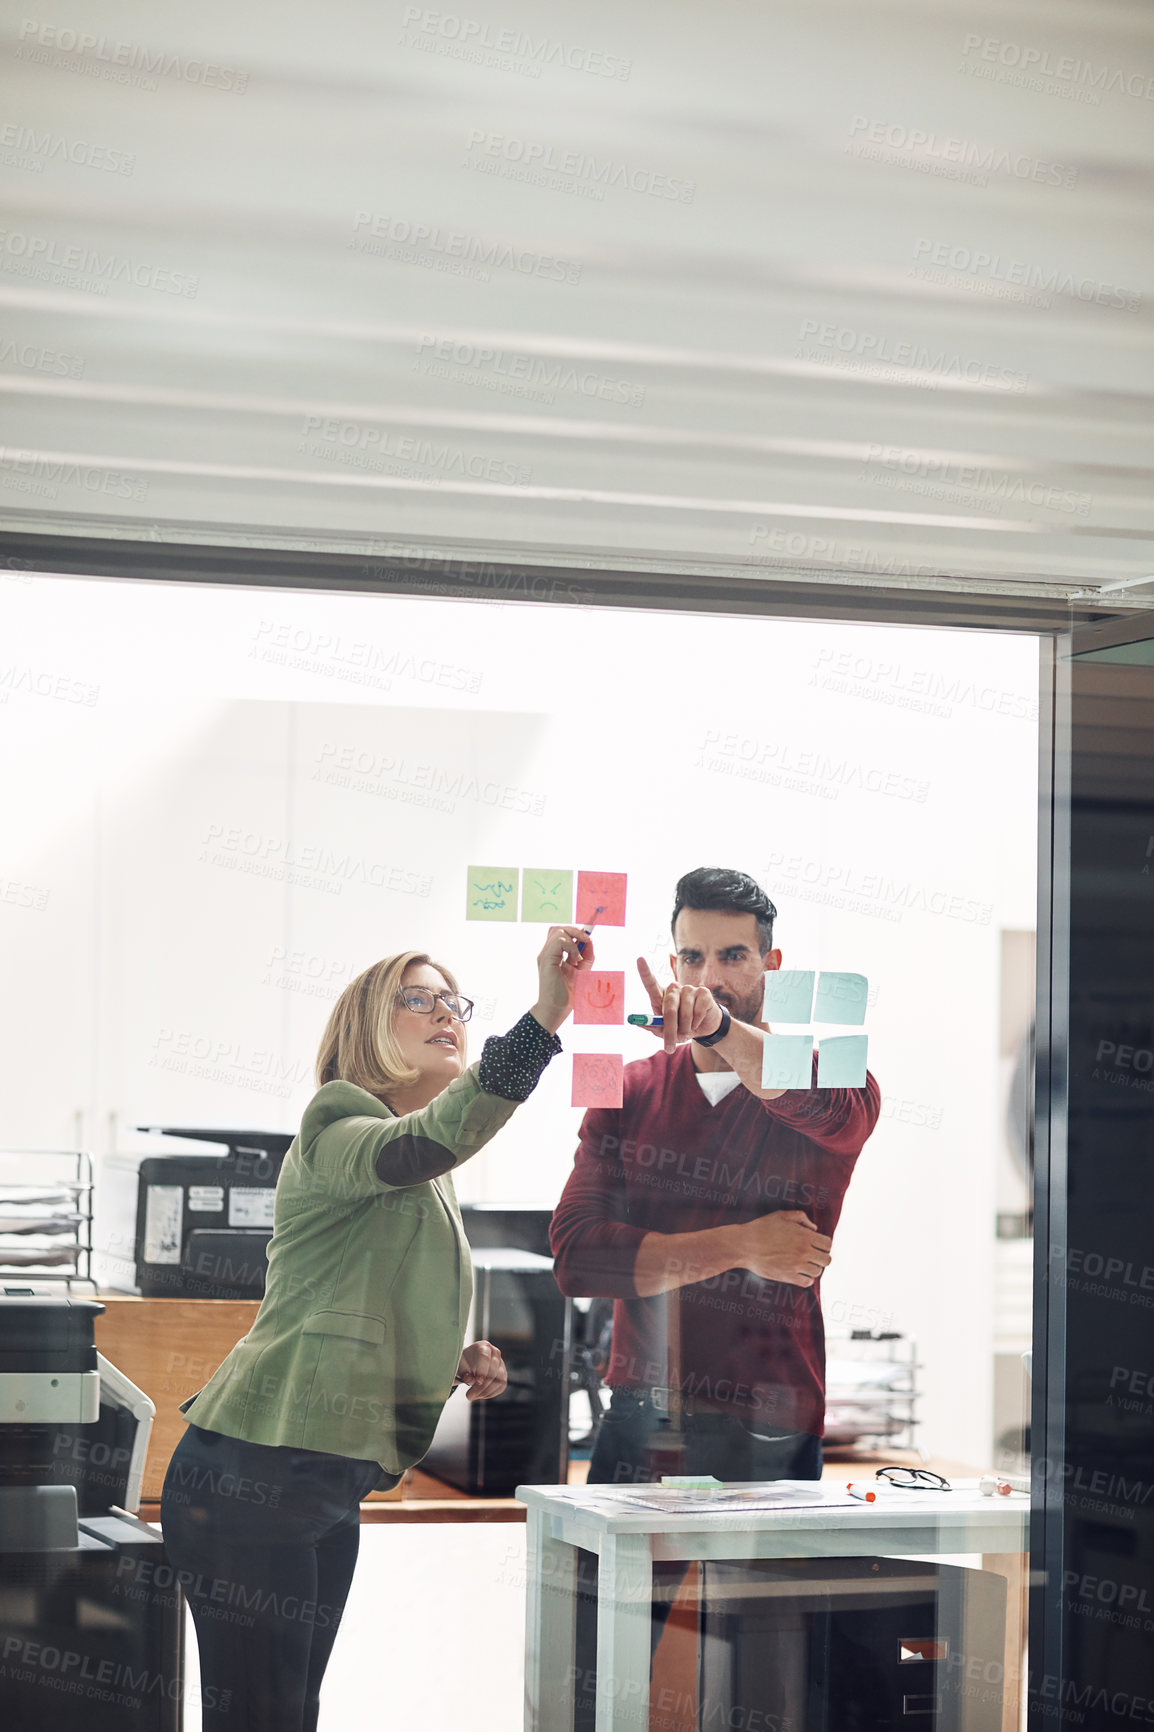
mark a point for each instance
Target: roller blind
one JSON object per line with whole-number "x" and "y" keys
{"x": 836, "y": 290}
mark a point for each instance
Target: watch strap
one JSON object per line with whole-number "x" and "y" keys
{"x": 718, "y": 1033}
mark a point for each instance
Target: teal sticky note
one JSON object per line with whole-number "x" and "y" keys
{"x": 546, "y": 895}
{"x": 788, "y": 995}
{"x": 491, "y": 893}
{"x": 841, "y": 998}
{"x": 787, "y": 1061}
{"x": 841, "y": 1061}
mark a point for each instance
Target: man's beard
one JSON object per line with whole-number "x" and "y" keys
{"x": 745, "y": 1009}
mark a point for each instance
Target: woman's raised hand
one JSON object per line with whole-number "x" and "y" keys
{"x": 558, "y": 965}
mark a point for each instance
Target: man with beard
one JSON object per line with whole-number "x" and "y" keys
{"x": 705, "y": 1207}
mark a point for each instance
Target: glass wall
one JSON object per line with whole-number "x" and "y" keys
{"x": 225, "y": 805}
{"x": 1092, "y": 1650}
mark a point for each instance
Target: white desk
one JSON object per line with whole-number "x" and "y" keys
{"x": 628, "y": 1542}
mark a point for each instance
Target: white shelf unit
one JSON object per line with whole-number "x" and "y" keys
{"x": 872, "y": 1392}
{"x": 46, "y": 1217}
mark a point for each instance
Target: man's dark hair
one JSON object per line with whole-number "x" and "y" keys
{"x": 717, "y": 888}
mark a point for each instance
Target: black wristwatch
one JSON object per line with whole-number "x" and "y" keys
{"x": 718, "y": 1033}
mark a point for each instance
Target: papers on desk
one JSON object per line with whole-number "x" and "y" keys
{"x": 58, "y": 1222}
{"x": 63, "y": 1195}
{"x": 39, "y": 1229}
{"x": 776, "y": 1494}
{"x": 41, "y": 1257}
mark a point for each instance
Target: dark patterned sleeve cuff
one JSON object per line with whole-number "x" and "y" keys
{"x": 511, "y": 1064}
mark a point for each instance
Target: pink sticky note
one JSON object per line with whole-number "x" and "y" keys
{"x": 604, "y": 890}
{"x": 599, "y": 996}
{"x": 598, "y": 1079}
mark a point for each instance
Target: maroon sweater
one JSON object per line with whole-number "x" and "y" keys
{"x": 669, "y": 1162}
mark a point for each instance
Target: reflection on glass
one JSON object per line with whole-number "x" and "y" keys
{"x": 702, "y": 1276}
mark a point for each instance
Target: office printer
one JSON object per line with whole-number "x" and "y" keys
{"x": 90, "y": 1621}
{"x": 200, "y": 1224}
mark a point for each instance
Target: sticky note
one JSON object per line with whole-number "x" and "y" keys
{"x": 841, "y": 998}
{"x": 599, "y": 996}
{"x": 546, "y": 894}
{"x": 604, "y": 890}
{"x": 787, "y": 1061}
{"x": 598, "y": 1079}
{"x": 788, "y": 995}
{"x": 841, "y": 1061}
{"x": 491, "y": 893}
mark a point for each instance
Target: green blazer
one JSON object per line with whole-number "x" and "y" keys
{"x": 358, "y": 1337}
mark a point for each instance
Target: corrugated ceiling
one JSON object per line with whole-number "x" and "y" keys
{"x": 846, "y": 291}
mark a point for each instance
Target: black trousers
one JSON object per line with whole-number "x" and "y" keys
{"x": 635, "y": 1445}
{"x": 264, "y": 1541}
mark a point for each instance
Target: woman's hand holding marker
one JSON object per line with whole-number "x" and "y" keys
{"x": 567, "y": 950}
{"x": 588, "y": 930}
{"x": 685, "y": 1011}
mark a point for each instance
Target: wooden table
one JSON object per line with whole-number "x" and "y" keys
{"x": 171, "y": 1347}
{"x": 420, "y": 1498}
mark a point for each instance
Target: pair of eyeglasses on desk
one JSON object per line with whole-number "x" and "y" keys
{"x": 913, "y": 1479}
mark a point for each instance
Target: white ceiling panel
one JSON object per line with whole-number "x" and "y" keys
{"x": 834, "y": 289}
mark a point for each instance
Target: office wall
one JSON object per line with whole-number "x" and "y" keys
{"x": 222, "y": 805}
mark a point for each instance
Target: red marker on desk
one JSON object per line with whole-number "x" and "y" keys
{"x": 859, "y": 1489}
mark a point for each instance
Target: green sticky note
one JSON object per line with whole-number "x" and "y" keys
{"x": 841, "y": 1061}
{"x": 841, "y": 998}
{"x": 546, "y": 895}
{"x": 788, "y": 995}
{"x": 491, "y": 893}
{"x": 787, "y": 1061}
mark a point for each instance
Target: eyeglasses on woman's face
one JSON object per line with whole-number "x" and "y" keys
{"x": 423, "y": 1000}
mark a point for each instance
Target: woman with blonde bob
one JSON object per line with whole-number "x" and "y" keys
{"x": 359, "y": 1340}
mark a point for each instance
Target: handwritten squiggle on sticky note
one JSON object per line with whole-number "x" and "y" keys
{"x": 491, "y": 892}
{"x": 598, "y": 1079}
